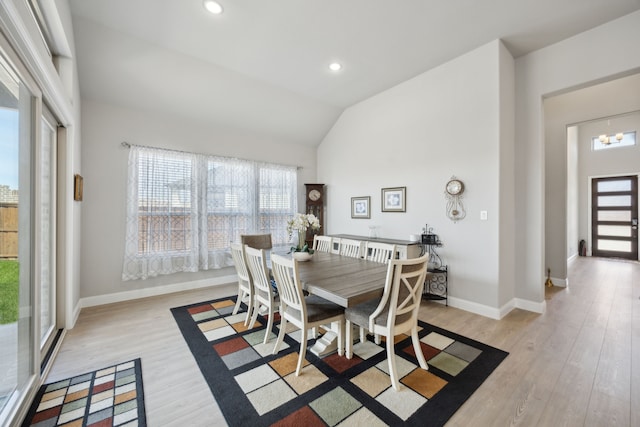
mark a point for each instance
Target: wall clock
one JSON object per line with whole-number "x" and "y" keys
{"x": 453, "y": 193}
{"x": 315, "y": 205}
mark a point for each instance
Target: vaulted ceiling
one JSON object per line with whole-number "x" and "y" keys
{"x": 262, "y": 66}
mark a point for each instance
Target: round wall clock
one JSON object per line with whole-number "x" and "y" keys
{"x": 453, "y": 192}
{"x": 455, "y": 187}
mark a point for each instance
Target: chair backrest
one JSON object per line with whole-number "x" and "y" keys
{"x": 380, "y": 252}
{"x": 352, "y": 248}
{"x": 257, "y": 264}
{"x": 257, "y": 241}
{"x": 402, "y": 291}
{"x": 322, "y": 243}
{"x": 237, "y": 253}
{"x": 285, "y": 271}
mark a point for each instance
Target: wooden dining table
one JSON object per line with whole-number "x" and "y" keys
{"x": 343, "y": 280}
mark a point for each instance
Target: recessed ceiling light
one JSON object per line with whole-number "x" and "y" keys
{"x": 335, "y": 66}
{"x": 213, "y": 7}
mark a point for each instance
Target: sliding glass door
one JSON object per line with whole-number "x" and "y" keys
{"x": 45, "y": 230}
{"x": 16, "y": 226}
{"x": 28, "y": 145}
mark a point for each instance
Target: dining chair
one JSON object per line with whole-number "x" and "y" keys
{"x": 379, "y": 252}
{"x": 395, "y": 313}
{"x": 322, "y": 243}
{"x": 257, "y": 241}
{"x": 303, "y": 312}
{"x": 351, "y": 248}
{"x": 263, "y": 295}
{"x": 245, "y": 282}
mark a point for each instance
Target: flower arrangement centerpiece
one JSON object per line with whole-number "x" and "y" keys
{"x": 300, "y": 224}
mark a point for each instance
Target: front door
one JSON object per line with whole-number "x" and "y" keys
{"x": 614, "y": 217}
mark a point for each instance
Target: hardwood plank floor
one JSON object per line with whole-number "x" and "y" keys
{"x": 578, "y": 364}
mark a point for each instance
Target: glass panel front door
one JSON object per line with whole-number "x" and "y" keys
{"x": 615, "y": 217}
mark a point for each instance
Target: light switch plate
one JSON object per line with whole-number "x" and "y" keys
{"x": 483, "y": 215}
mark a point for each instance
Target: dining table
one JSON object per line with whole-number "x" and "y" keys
{"x": 344, "y": 280}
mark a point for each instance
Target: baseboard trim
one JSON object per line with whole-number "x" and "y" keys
{"x": 497, "y": 313}
{"x": 474, "y": 307}
{"x": 560, "y": 282}
{"x": 151, "y": 292}
{"x": 535, "y": 307}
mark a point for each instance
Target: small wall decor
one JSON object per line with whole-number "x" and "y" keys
{"x": 77, "y": 187}
{"x": 360, "y": 207}
{"x": 453, "y": 193}
{"x": 394, "y": 199}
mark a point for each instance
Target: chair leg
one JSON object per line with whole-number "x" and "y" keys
{"x": 250, "y": 305}
{"x": 363, "y": 335}
{"x": 269, "y": 325}
{"x": 303, "y": 350}
{"x": 281, "y": 334}
{"x": 238, "y": 301}
{"x": 348, "y": 339}
{"x": 254, "y": 316}
{"x": 418, "y": 349}
{"x": 391, "y": 357}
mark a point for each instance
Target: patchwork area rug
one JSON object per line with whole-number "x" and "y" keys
{"x": 112, "y": 396}
{"x": 254, "y": 387}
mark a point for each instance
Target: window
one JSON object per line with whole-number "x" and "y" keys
{"x": 184, "y": 209}
{"x": 605, "y": 142}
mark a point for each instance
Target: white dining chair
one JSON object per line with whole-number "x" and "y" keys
{"x": 263, "y": 294}
{"x": 351, "y": 248}
{"x": 379, "y": 252}
{"x": 322, "y": 243}
{"x": 245, "y": 282}
{"x": 395, "y": 313}
{"x": 303, "y": 312}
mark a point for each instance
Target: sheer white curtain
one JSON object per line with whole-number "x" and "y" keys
{"x": 278, "y": 201}
{"x": 184, "y": 209}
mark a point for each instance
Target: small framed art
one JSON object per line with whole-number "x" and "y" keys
{"x": 394, "y": 199}
{"x": 360, "y": 207}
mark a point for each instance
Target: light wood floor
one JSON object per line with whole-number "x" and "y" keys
{"x": 576, "y": 365}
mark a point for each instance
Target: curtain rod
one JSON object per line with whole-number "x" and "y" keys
{"x": 129, "y": 145}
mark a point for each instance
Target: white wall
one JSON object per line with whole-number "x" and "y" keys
{"x": 104, "y": 161}
{"x": 602, "y": 53}
{"x": 601, "y": 100}
{"x": 447, "y": 121}
{"x": 572, "y": 193}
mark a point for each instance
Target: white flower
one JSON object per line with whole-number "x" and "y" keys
{"x": 302, "y": 222}
{"x": 299, "y": 224}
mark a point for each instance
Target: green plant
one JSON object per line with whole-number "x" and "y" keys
{"x": 9, "y": 285}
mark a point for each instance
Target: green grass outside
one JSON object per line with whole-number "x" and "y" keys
{"x": 9, "y": 279}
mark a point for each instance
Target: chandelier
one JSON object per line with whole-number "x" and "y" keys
{"x": 608, "y": 139}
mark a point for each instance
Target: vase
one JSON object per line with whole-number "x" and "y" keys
{"x": 302, "y": 256}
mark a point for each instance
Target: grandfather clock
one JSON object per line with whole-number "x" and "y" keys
{"x": 315, "y": 205}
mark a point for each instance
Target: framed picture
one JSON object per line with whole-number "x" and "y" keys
{"x": 77, "y": 188}
{"x": 394, "y": 199}
{"x": 360, "y": 207}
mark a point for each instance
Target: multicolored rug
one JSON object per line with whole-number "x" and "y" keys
{"x": 254, "y": 387}
{"x": 112, "y": 396}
